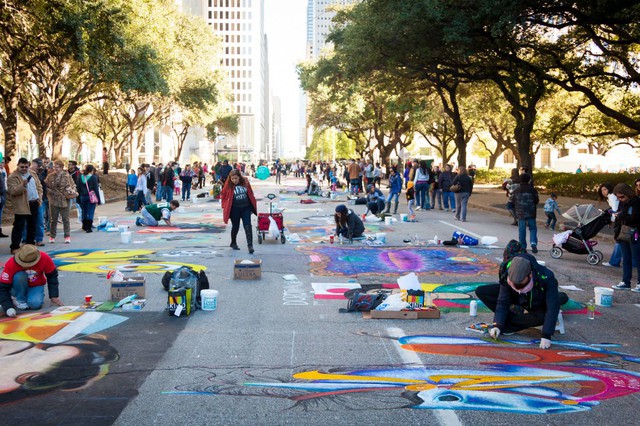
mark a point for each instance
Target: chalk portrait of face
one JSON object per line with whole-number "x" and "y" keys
{"x": 30, "y": 369}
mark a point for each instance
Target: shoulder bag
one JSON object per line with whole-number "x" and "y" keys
{"x": 627, "y": 234}
{"x": 93, "y": 198}
{"x": 455, "y": 188}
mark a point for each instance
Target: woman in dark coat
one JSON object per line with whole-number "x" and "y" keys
{"x": 462, "y": 196}
{"x": 348, "y": 224}
{"x": 238, "y": 202}
{"x": 88, "y": 181}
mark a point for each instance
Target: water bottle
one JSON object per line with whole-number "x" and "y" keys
{"x": 473, "y": 308}
{"x": 591, "y": 309}
{"x": 415, "y": 239}
{"x": 341, "y": 239}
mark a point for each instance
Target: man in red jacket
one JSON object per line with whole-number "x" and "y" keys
{"x": 25, "y": 275}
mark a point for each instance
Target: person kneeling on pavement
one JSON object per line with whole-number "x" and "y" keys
{"x": 348, "y": 224}
{"x": 24, "y": 277}
{"x": 153, "y": 213}
{"x": 527, "y": 296}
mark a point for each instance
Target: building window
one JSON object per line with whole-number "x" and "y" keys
{"x": 563, "y": 152}
{"x": 508, "y": 157}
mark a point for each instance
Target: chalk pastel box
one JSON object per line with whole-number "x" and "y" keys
{"x": 122, "y": 289}
{"x": 247, "y": 271}
{"x": 431, "y": 313}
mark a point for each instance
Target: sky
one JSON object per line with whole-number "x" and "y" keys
{"x": 286, "y": 28}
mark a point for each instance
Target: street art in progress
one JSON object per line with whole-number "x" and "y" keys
{"x": 351, "y": 261}
{"x": 516, "y": 377}
{"x": 126, "y": 261}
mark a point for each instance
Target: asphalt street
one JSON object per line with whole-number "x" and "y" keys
{"x": 278, "y": 351}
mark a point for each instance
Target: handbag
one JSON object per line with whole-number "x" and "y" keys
{"x": 93, "y": 198}
{"x": 455, "y": 188}
{"x": 101, "y": 195}
{"x": 627, "y": 234}
{"x": 70, "y": 192}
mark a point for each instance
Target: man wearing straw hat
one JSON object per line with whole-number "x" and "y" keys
{"x": 24, "y": 277}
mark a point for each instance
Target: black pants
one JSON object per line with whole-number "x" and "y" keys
{"x": 235, "y": 215}
{"x": 488, "y": 294}
{"x": 19, "y": 221}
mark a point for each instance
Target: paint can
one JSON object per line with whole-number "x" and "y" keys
{"x": 125, "y": 237}
{"x": 209, "y": 300}
{"x": 403, "y": 217}
{"x": 473, "y": 308}
{"x": 331, "y": 238}
{"x": 388, "y": 220}
{"x": 604, "y": 296}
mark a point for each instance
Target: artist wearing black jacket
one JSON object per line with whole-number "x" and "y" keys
{"x": 629, "y": 216}
{"x": 527, "y": 297}
{"x": 525, "y": 200}
{"x": 348, "y": 224}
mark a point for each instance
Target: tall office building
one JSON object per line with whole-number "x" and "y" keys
{"x": 240, "y": 24}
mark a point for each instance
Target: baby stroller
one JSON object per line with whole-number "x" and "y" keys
{"x": 590, "y": 221}
{"x": 264, "y": 222}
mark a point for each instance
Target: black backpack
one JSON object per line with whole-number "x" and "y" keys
{"x": 203, "y": 282}
{"x": 364, "y": 302}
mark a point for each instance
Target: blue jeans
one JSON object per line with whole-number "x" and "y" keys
{"x": 186, "y": 190}
{"x": 46, "y": 217}
{"x": 437, "y": 197}
{"x": 40, "y": 225}
{"x": 522, "y": 231}
{"x": 630, "y": 255}
{"x": 147, "y": 219}
{"x": 167, "y": 193}
{"x": 88, "y": 209}
{"x": 616, "y": 256}
{"x": 422, "y": 195}
{"x": 449, "y": 198}
{"x": 391, "y": 195}
{"x": 462, "y": 198}
{"x": 32, "y": 296}
{"x": 551, "y": 220}
{"x": 159, "y": 191}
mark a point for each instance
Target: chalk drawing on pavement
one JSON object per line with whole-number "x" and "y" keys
{"x": 126, "y": 261}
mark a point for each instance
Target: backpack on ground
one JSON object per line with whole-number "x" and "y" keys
{"x": 184, "y": 286}
{"x": 364, "y": 302}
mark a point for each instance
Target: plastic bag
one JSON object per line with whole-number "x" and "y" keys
{"x": 393, "y": 302}
{"x": 274, "y": 232}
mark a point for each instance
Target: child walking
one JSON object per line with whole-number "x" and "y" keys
{"x": 550, "y": 208}
{"x": 411, "y": 199}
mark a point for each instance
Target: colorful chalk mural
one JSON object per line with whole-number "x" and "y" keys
{"x": 513, "y": 377}
{"x": 209, "y": 228}
{"x": 43, "y": 352}
{"x": 126, "y": 261}
{"x": 341, "y": 261}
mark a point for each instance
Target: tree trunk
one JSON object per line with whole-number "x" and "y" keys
{"x": 10, "y": 135}
{"x": 522, "y": 132}
{"x": 57, "y": 136}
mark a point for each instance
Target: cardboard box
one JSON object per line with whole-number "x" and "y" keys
{"x": 247, "y": 271}
{"x": 420, "y": 314}
{"x": 122, "y": 289}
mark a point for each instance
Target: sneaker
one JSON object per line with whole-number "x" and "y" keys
{"x": 138, "y": 221}
{"x": 52, "y": 240}
{"x": 21, "y": 305}
{"x": 446, "y": 210}
{"x": 534, "y": 248}
{"x": 453, "y": 210}
{"x": 636, "y": 289}
{"x": 67, "y": 240}
{"x": 418, "y": 208}
{"x": 610, "y": 265}
{"x": 621, "y": 286}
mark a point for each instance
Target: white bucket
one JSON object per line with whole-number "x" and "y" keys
{"x": 382, "y": 237}
{"x": 388, "y": 220}
{"x": 209, "y": 300}
{"x": 125, "y": 237}
{"x": 102, "y": 219}
{"x": 604, "y": 296}
{"x": 403, "y": 217}
{"x": 122, "y": 228}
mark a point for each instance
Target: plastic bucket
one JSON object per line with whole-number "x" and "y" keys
{"x": 209, "y": 300}
{"x": 403, "y": 217}
{"x": 122, "y": 228}
{"x": 382, "y": 237}
{"x": 388, "y": 220}
{"x": 125, "y": 237}
{"x": 604, "y": 296}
